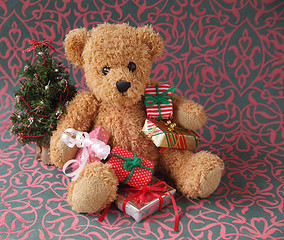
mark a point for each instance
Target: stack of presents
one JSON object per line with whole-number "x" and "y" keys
{"x": 141, "y": 194}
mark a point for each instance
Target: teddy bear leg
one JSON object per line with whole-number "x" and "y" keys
{"x": 196, "y": 175}
{"x": 95, "y": 187}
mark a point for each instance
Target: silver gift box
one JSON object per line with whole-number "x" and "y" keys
{"x": 145, "y": 209}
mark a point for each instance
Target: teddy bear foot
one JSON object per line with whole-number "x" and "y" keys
{"x": 95, "y": 187}
{"x": 210, "y": 182}
{"x": 202, "y": 174}
{"x": 197, "y": 175}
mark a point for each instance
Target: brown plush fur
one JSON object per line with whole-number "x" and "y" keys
{"x": 96, "y": 179}
{"x": 190, "y": 171}
{"x": 123, "y": 114}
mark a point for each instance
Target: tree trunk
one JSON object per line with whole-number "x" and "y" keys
{"x": 43, "y": 154}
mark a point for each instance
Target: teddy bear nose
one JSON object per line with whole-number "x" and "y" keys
{"x": 122, "y": 86}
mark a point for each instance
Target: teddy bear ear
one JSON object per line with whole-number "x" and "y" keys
{"x": 152, "y": 39}
{"x": 74, "y": 45}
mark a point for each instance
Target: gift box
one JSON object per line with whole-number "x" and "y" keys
{"x": 145, "y": 201}
{"x": 130, "y": 168}
{"x": 99, "y": 133}
{"x": 166, "y": 134}
{"x": 90, "y": 146}
{"x": 158, "y": 101}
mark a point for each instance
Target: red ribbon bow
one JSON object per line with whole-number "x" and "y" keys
{"x": 160, "y": 186}
{"x": 143, "y": 191}
{"x": 36, "y": 43}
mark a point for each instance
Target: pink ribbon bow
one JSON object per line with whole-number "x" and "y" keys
{"x": 83, "y": 140}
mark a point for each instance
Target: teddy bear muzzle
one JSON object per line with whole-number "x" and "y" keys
{"x": 122, "y": 86}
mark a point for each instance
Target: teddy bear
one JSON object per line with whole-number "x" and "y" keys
{"x": 117, "y": 60}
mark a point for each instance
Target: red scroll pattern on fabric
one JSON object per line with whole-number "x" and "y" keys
{"x": 226, "y": 55}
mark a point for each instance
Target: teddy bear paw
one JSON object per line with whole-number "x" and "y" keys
{"x": 89, "y": 195}
{"x": 95, "y": 187}
{"x": 196, "y": 175}
{"x": 210, "y": 182}
{"x": 204, "y": 175}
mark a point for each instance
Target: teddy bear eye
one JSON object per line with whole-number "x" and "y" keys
{"x": 132, "y": 66}
{"x": 106, "y": 70}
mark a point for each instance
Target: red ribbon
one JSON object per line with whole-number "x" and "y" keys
{"x": 104, "y": 213}
{"x": 162, "y": 149}
{"x": 141, "y": 194}
{"x": 46, "y": 116}
{"x": 36, "y": 43}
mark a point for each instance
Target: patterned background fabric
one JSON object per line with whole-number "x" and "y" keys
{"x": 227, "y": 55}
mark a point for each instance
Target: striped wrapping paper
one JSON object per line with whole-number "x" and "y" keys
{"x": 163, "y": 135}
{"x": 158, "y": 101}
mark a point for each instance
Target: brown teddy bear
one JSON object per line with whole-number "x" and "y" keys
{"x": 117, "y": 61}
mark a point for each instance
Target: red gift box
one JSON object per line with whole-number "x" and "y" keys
{"x": 130, "y": 168}
{"x": 158, "y": 101}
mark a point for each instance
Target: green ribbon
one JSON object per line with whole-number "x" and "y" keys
{"x": 151, "y": 99}
{"x": 131, "y": 164}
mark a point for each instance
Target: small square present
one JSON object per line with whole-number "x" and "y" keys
{"x": 142, "y": 202}
{"x": 168, "y": 135}
{"x": 158, "y": 101}
{"x": 130, "y": 168}
{"x": 82, "y": 140}
{"x": 99, "y": 133}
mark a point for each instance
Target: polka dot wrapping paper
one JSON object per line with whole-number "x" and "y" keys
{"x": 130, "y": 168}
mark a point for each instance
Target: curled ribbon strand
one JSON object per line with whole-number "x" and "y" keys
{"x": 104, "y": 213}
{"x": 141, "y": 192}
{"x": 36, "y": 43}
{"x": 83, "y": 140}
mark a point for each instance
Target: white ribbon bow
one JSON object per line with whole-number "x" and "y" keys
{"x": 83, "y": 140}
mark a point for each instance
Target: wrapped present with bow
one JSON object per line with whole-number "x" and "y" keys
{"x": 98, "y": 133}
{"x": 72, "y": 137}
{"x": 142, "y": 202}
{"x": 168, "y": 135}
{"x": 130, "y": 168}
{"x": 158, "y": 101}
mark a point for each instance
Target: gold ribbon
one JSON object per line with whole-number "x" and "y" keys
{"x": 172, "y": 127}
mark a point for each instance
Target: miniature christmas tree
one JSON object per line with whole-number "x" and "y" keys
{"x": 42, "y": 97}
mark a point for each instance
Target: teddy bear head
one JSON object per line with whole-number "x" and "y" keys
{"x": 116, "y": 58}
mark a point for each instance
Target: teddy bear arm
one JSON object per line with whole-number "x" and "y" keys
{"x": 188, "y": 113}
{"x": 79, "y": 116}
{"x": 79, "y": 113}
